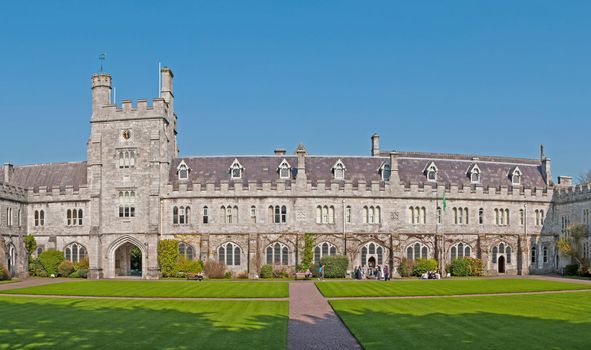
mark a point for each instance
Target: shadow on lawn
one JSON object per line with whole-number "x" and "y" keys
{"x": 480, "y": 330}
{"x": 69, "y": 324}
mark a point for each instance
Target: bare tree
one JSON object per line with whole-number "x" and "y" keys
{"x": 584, "y": 178}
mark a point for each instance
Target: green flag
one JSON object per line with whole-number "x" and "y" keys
{"x": 444, "y": 201}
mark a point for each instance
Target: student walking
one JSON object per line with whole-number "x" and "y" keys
{"x": 321, "y": 272}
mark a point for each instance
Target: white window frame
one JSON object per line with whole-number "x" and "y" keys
{"x": 339, "y": 170}
{"x": 236, "y": 166}
{"x": 183, "y": 167}
{"x": 284, "y": 166}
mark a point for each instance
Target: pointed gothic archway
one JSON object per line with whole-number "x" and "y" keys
{"x": 501, "y": 264}
{"x": 127, "y": 258}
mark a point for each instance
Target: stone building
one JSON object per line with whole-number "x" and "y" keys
{"x": 134, "y": 190}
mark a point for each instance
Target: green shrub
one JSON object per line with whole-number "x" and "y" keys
{"x": 50, "y": 260}
{"x": 214, "y": 269}
{"x": 36, "y": 268}
{"x": 476, "y": 266}
{"x": 82, "y": 273}
{"x": 168, "y": 253}
{"x": 423, "y": 265}
{"x": 460, "y": 267}
{"x": 74, "y": 275}
{"x": 185, "y": 265}
{"x": 335, "y": 266}
{"x": 228, "y": 275}
{"x": 82, "y": 264}
{"x": 242, "y": 275}
{"x": 4, "y": 274}
{"x": 571, "y": 269}
{"x": 65, "y": 268}
{"x": 30, "y": 245}
{"x": 266, "y": 271}
{"x": 314, "y": 269}
{"x": 406, "y": 267}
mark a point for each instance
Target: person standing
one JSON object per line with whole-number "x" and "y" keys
{"x": 386, "y": 273}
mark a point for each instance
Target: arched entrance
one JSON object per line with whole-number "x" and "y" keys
{"x": 11, "y": 260}
{"x": 127, "y": 257}
{"x": 501, "y": 264}
{"x": 371, "y": 262}
{"x": 128, "y": 260}
{"x": 372, "y": 254}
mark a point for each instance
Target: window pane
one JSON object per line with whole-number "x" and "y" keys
{"x": 284, "y": 256}
{"x": 453, "y": 253}
{"x": 269, "y": 255}
{"x": 229, "y": 255}
{"x": 222, "y": 254}
{"x": 277, "y": 253}
{"x": 424, "y": 253}
{"x": 409, "y": 253}
{"x": 236, "y": 256}
{"x": 333, "y": 251}
{"x": 380, "y": 255}
{"x": 189, "y": 253}
{"x": 317, "y": 254}
{"x": 325, "y": 249}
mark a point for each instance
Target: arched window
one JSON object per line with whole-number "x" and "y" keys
{"x": 522, "y": 217}
{"x": 460, "y": 250}
{"x": 318, "y": 214}
{"x": 475, "y": 175}
{"x": 324, "y": 249}
{"x": 183, "y": 171}
{"x": 516, "y": 177}
{"x": 481, "y": 216}
{"x": 339, "y": 170}
{"x": 503, "y": 249}
{"x": 253, "y": 214}
{"x": 545, "y": 254}
{"x": 277, "y": 254}
{"x": 371, "y": 251}
{"x": 431, "y": 172}
{"x": 372, "y": 215}
{"x": 69, "y": 217}
{"x": 182, "y": 216}
{"x": 205, "y": 214}
{"x": 175, "y": 215}
{"x": 284, "y": 170}
{"x": 533, "y": 254}
{"x": 229, "y": 253}
{"x": 75, "y": 252}
{"x": 186, "y": 251}
{"x": 348, "y": 214}
{"x": 416, "y": 251}
{"x": 126, "y": 204}
{"x": 236, "y": 170}
{"x": 365, "y": 214}
{"x": 278, "y": 214}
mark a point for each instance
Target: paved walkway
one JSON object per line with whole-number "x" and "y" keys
{"x": 31, "y": 282}
{"x": 313, "y": 324}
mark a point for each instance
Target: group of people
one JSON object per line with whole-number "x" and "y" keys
{"x": 378, "y": 272}
{"x": 431, "y": 275}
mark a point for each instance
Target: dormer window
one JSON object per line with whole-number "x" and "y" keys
{"x": 516, "y": 176}
{"x": 236, "y": 170}
{"x": 385, "y": 171}
{"x": 284, "y": 170}
{"x": 339, "y": 170}
{"x": 475, "y": 174}
{"x": 183, "y": 171}
{"x": 431, "y": 171}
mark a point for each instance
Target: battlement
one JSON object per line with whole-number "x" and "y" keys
{"x": 573, "y": 193}
{"x": 101, "y": 79}
{"x": 12, "y": 192}
{"x": 127, "y": 109}
{"x": 67, "y": 193}
{"x": 373, "y": 189}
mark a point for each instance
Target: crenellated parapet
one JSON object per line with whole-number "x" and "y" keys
{"x": 68, "y": 193}
{"x": 572, "y": 194}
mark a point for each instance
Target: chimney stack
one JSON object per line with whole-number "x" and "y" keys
{"x": 394, "y": 177}
{"x": 8, "y": 172}
{"x": 279, "y": 151}
{"x": 166, "y": 88}
{"x": 375, "y": 145}
{"x": 301, "y": 178}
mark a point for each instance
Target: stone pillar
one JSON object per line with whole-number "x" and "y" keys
{"x": 252, "y": 255}
{"x": 375, "y": 145}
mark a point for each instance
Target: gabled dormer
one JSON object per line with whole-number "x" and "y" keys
{"x": 183, "y": 171}
{"x": 236, "y": 170}
{"x": 338, "y": 170}
{"x": 385, "y": 171}
{"x": 430, "y": 171}
{"x": 516, "y": 176}
{"x": 474, "y": 173}
{"x": 284, "y": 169}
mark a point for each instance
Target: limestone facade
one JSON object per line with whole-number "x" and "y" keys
{"x": 134, "y": 190}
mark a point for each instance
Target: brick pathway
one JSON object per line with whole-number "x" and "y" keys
{"x": 313, "y": 324}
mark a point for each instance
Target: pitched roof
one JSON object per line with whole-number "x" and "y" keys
{"x": 50, "y": 175}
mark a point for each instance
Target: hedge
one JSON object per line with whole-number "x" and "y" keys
{"x": 168, "y": 253}
{"x": 406, "y": 267}
{"x": 460, "y": 267}
{"x": 335, "y": 266}
{"x": 266, "y": 271}
{"x": 65, "y": 268}
{"x": 571, "y": 269}
{"x": 423, "y": 265}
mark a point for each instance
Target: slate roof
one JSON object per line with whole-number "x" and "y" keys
{"x": 50, "y": 175}
{"x": 452, "y": 169}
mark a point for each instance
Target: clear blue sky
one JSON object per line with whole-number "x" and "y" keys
{"x": 484, "y": 77}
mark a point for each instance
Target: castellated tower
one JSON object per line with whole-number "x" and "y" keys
{"x": 129, "y": 154}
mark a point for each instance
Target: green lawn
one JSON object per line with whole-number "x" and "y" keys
{"x": 179, "y": 289}
{"x": 548, "y": 321}
{"x": 440, "y": 287}
{"x": 44, "y": 323}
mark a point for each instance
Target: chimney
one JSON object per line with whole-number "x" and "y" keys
{"x": 8, "y": 172}
{"x": 301, "y": 178}
{"x": 101, "y": 91}
{"x": 375, "y": 145}
{"x": 565, "y": 181}
{"x": 394, "y": 177}
{"x": 280, "y": 151}
{"x": 166, "y": 88}
{"x": 547, "y": 171}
